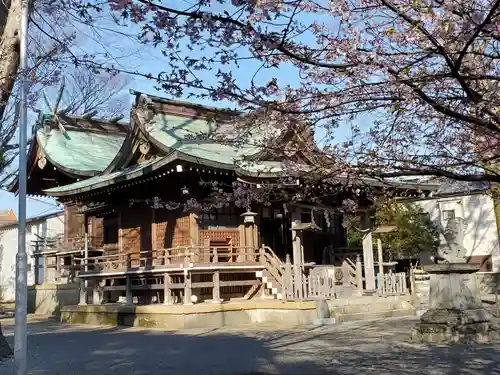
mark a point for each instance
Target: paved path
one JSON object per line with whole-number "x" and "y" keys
{"x": 377, "y": 347}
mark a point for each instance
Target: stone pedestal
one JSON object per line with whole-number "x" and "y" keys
{"x": 456, "y": 313}
{"x": 323, "y": 313}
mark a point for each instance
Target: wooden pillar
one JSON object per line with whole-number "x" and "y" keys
{"x": 72, "y": 268}
{"x": 128, "y": 291}
{"x": 248, "y": 241}
{"x": 241, "y": 229}
{"x": 216, "y": 290}
{"x": 194, "y": 231}
{"x": 45, "y": 274}
{"x": 380, "y": 260}
{"x": 359, "y": 275}
{"x": 36, "y": 269}
{"x": 256, "y": 231}
{"x": 298, "y": 255}
{"x": 153, "y": 231}
{"x": 368, "y": 260}
{"x": 249, "y": 250}
{"x": 298, "y": 262}
{"x": 58, "y": 269}
{"x": 120, "y": 231}
{"x": 187, "y": 288}
{"x": 167, "y": 299}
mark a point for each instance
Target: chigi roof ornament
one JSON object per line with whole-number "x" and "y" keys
{"x": 55, "y": 109}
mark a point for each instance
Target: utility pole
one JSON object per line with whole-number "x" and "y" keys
{"x": 21, "y": 315}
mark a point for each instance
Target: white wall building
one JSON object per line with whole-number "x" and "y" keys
{"x": 472, "y": 203}
{"x": 37, "y": 228}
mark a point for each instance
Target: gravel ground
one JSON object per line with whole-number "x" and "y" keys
{"x": 375, "y": 347}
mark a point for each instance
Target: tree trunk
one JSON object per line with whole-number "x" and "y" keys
{"x": 9, "y": 51}
{"x": 5, "y": 349}
{"x": 4, "y": 12}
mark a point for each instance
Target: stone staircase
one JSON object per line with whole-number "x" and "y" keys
{"x": 272, "y": 275}
{"x": 270, "y": 284}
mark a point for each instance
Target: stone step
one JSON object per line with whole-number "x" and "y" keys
{"x": 351, "y": 317}
{"x": 368, "y": 308}
{"x": 345, "y": 291}
{"x": 269, "y": 283}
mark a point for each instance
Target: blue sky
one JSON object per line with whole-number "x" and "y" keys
{"x": 146, "y": 59}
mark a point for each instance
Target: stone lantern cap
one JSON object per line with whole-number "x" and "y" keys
{"x": 249, "y": 217}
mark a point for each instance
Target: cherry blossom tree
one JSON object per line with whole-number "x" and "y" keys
{"x": 62, "y": 46}
{"x": 392, "y": 87}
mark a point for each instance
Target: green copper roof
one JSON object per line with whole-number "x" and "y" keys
{"x": 176, "y": 133}
{"x": 144, "y": 169}
{"x": 262, "y": 167}
{"x": 124, "y": 175}
{"x": 80, "y": 152}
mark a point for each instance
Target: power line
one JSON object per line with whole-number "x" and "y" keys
{"x": 36, "y": 199}
{"x": 43, "y": 212}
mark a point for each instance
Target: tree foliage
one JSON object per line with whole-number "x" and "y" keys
{"x": 58, "y": 54}
{"x": 410, "y": 84}
{"x": 414, "y": 232}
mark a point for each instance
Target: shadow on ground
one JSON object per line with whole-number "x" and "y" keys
{"x": 361, "y": 348}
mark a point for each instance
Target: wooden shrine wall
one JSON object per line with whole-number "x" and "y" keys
{"x": 74, "y": 222}
{"x": 173, "y": 228}
{"x": 135, "y": 233}
{"x": 141, "y": 228}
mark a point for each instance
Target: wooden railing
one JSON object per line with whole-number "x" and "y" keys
{"x": 392, "y": 284}
{"x": 306, "y": 282}
{"x": 273, "y": 265}
{"x": 187, "y": 256}
{"x": 355, "y": 273}
{"x": 62, "y": 243}
{"x": 320, "y": 283}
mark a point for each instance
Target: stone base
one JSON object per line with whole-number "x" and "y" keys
{"x": 324, "y": 322}
{"x": 442, "y": 326}
{"x": 456, "y": 313}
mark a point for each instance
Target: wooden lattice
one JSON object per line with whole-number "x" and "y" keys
{"x": 181, "y": 235}
{"x": 170, "y": 230}
{"x": 221, "y": 235}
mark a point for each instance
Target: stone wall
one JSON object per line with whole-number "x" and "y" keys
{"x": 286, "y": 314}
{"x": 48, "y": 299}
